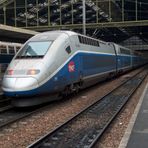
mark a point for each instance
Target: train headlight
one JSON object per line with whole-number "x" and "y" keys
{"x": 33, "y": 72}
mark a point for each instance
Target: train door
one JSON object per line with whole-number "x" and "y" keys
{"x": 71, "y": 63}
{"x": 76, "y": 60}
{"x": 116, "y": 56}
{"x": 79, "y": 59}
{"x": 119, "y": 59}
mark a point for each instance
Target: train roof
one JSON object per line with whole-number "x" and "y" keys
{"x": 51, "y": 35}
{"x": 122, "y": 46}
{"x": 56, "y": 33}
{"x": 60, "y": 32}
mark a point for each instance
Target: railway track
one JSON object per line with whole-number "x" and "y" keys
{"x": 4, "y": 103}
{"x": 11, "y": 114}
{"x": 84, "y": 129}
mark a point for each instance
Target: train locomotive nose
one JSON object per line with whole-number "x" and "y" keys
{"x": 8, "y": 83}
{"x": 26, "y": 83}
{"x": 19, "y": 84}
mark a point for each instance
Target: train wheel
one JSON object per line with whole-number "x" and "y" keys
{"x": 66, "y": 91}
{"x": 77, "y": 88}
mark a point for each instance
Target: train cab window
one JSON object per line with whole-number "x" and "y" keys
{"x": 68, "y": 50}
{"x": 34, "y": 49}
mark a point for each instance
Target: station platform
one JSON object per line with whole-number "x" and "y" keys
{"x": 136, "y": 135}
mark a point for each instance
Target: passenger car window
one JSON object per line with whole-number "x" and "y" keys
{"x": 11, "y": 50}
{"x": 3, "y": 49}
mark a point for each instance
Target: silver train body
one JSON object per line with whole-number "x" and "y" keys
{"x": 60, "y": 62}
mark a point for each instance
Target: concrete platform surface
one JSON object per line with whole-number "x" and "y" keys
{"x": 136, "y": 135}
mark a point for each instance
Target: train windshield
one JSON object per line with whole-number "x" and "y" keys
{"x": 34, "y": 49}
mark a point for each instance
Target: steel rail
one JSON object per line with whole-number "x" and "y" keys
{"x": 4, "y": 103}
{"x": 11, "y": 114}
{"x": 70, "y": 134}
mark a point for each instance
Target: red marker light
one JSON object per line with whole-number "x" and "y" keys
{"x": 10, "y": 72}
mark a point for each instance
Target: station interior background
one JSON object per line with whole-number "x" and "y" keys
{"x": 124, "y": 22}
{"x": 121, "y": 21}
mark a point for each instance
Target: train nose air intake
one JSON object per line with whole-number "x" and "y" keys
{"x": 20, "y": 84}
{"x": 25, "y": 83}
{"x": 8, "y": 83}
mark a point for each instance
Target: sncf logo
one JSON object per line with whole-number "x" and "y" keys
{"x": 71, "y": 66}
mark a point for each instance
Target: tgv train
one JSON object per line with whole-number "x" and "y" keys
{"x": 60, "y": 62}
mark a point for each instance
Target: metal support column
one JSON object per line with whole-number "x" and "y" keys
{"x": 136, "y": 9}
{"x": 123, "y": 10}
{"x": 15, "y": 23}
{"x": 84, "y": 18}
{"x": 97, "y": 15}
{"x": 72, "y": 12}
{"x": 60, "y": 13}
{"x": 26, "y": 12}
{"x": 37, "y": 17}
{"x": 140, "y": 10}
{"x": 48, "y": 12}
{"x": 4, "y": 9}
{"x": 110, "y": 10}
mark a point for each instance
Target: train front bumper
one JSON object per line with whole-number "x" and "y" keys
{"x": 13, "y": 86}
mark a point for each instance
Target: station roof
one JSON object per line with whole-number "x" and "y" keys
{"x": 33, "y": 15}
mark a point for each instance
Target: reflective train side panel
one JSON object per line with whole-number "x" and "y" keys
{"x": 60, "y": 62}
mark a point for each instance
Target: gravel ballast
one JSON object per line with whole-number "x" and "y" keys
{"x": 114, "y": 134}
{"x": 26, "y": 131}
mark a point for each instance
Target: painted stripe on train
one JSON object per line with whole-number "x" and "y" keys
{"x": 33, "y": 90}
{"x": 95, "y": 75}
{"x": 76, "y": 53}
{"x": 57, "y": 72}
